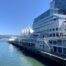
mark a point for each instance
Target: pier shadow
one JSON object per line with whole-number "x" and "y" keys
{"x": 42, "y": 59}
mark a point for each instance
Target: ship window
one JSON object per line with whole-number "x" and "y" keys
{"x": 59, "y": 42}
{"x": 64, "y": 50}
{"x": 55, "y": 18}
{"x": 54, "y": 42}
{"x": 50, "y": 35}
{"x": 50, "y": 29}
{"x": 43, "y": 36}
{"x": 53, "y": 29}
{"x": 61, "y": 34}
{"x": 65, "y": 29}
{"x": 53, "y": 34}
{"x": 59, "y": 49}
{"x": 56, "y": 29}
{"x": 55, "y": 49}
{"x": 50, "y": 42}
{"x": 57, "y": 34}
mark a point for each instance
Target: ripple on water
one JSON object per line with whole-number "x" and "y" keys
{"x": 10, "y": 56}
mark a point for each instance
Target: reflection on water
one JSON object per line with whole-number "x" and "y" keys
{"x": 11, "y": 56}
{"x": 11, "y": 48}
{"x": 25, "y": 61}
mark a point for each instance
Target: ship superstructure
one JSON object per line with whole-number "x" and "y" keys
{"x": 50, "y": 29}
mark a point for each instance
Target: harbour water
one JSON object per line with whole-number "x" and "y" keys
{"x": 12, "y": 56}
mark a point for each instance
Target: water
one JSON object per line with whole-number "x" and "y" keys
{"x": 11, "y": 56}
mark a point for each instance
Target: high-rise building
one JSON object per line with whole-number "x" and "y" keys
{"x": 55, "y": 15}
{"x": 52, "y": 24}
{"x": 59, "y": 6}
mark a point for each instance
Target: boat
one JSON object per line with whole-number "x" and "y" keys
{"x": 49, "y": 33}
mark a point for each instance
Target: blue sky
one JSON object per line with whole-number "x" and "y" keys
{"x": 18, "y": 14}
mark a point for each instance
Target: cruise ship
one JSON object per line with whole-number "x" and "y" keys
{"x": 49, "y": 30}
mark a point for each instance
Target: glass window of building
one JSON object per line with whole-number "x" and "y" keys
{"x": 64, "y": 50}
{"x": 59, "y": 42}
{"x": 53, "y": 34}
{"x": 57, "y": 34}
{"x": 59, "y": 50}
{"x": 65, "y": 29}
{"x": 56, "y": 29}
{"x": 53, "y": 29}
{"x": 61, "y": 34}
{"x": 50, "y": 35}
{"x": 54, "y": 42}
{"x": 50, "y": 42}
{"x": 43, "y": 36}
{"x": 49, "y": 29}
{"x": 55, "y": 49}
{"x": 55, "y": 19}
{"x": 64, "y": 43}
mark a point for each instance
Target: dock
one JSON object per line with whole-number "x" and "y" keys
{"x": 52, "y": 57}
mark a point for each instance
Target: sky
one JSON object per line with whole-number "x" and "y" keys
{"x": 18, "y": 14}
